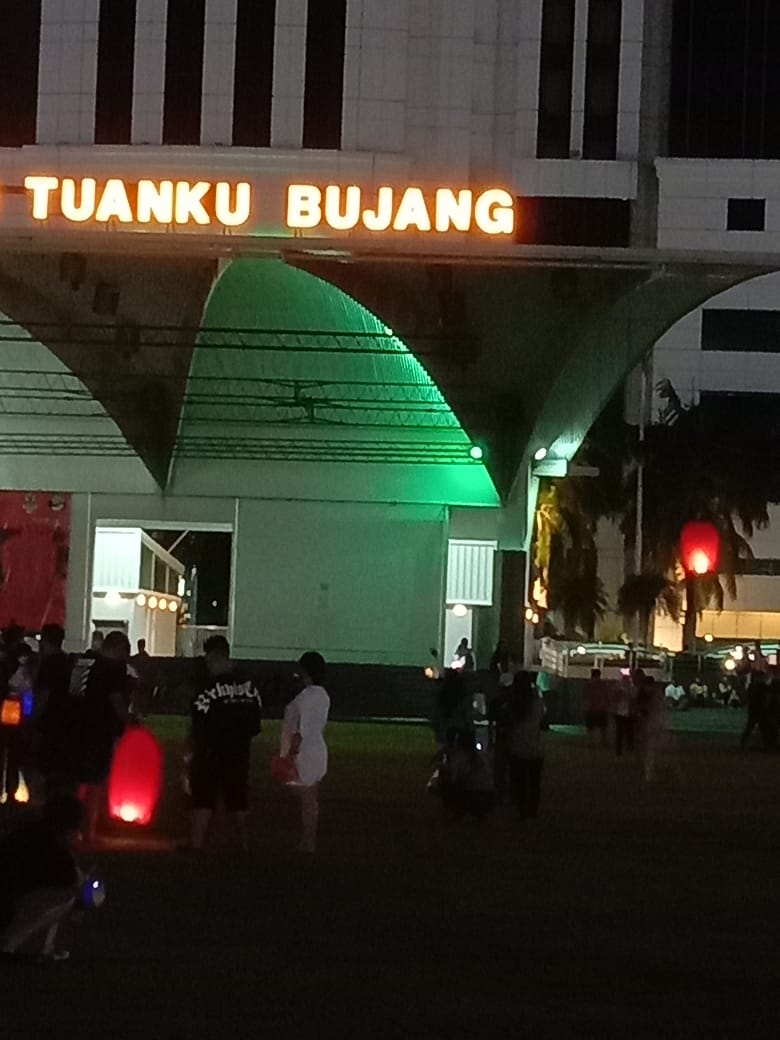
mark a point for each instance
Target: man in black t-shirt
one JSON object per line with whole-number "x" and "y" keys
{"x": 224, "y": 717}
{"x": 39, "y": 878}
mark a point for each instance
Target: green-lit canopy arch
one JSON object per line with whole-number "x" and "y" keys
{"x": 289, "y": 368}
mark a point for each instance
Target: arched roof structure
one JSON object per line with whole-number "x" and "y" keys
{"x": 289, "y": 368}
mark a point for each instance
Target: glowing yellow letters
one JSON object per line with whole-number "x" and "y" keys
{"x": 204, "y": 203}
{"x": 411, "y": 209}
{"x": 308, "y": 207}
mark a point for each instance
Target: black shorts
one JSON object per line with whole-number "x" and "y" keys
{"x": 595, "y": 720}
{"x": 220, "y": 775}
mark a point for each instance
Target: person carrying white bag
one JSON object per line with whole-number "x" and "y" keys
{"x": 303, "y": 742}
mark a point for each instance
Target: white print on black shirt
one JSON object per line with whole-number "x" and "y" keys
{"x": 231, "y": 692}
{"x": 79, "y": 677}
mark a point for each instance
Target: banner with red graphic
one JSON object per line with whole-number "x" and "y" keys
{"x": 34, "y": 540}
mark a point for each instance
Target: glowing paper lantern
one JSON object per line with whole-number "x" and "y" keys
{"x": 136, "y": 778}
{"x": 699, "y": 547}
{"x": 11, "y": 711}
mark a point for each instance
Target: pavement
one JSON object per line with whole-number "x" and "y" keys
{"x": 626, "y": 910}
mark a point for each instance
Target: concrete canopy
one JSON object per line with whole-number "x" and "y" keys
{"x": 525, "y": 350}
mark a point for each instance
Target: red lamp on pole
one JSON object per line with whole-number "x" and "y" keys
{"x": 699, "y": 548}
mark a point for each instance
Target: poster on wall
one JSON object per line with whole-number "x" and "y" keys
{"x": 34, "y": 540}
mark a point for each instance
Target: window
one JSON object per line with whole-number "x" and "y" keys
{"x": 324, "y": 85}
{"x": 553, "y": 129}
{"x": 253, "y": 83}
{"x": 755, "y": 332}
{"x": 20, "y": 41}
{"x": 558, "y": 221}
{"x": 745, "y": 214}
{"x": 116, "y": 49}
{"x": 146, "y": 577}
{"x": 725, "y": 87}
{"x": 183, "y": 71}
{"x": 602, "y": 67}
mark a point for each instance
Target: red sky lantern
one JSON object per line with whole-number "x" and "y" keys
{"x": 136, "y": 778}
{"x": 699, "y": 547}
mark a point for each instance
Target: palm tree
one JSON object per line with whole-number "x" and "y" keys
{"x": 639, "y": 596}
{"x": 698, "y": 466}
{"x": 566, "y": 558}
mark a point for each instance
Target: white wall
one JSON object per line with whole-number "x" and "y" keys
{"x": 359, "y": 582}
{"x": 451, "y": 83}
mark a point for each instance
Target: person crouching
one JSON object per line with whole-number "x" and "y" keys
{"x": 39, "y": 880}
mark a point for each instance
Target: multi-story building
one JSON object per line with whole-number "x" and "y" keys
{"x": 343, "y": 277}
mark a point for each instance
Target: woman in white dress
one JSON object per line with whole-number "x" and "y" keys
{"x": 303, "y": 740}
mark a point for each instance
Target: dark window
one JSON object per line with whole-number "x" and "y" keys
{"x": 725, "y": 88}
{"x": 756, "y": 332}
{"x": 146, "y": 577}
{"x": 183, "y": 71}
{"x": 555, "y": 75}
{"x": 116, "y": 51}
{"x": 20, "y": 42}
{"x": 253, "y": 81}
{"x": 602, "y": 67}
{"x": 746, "y": 214}
{"x": 322, "y": 98}
{"x": 553, "y": 221}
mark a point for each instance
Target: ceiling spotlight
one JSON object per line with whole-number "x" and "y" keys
{"x": 476, "y": 452}
{"x": 173, "y": 606}
{"x": 540, "y": 454}
{"x": 152, "y": 601}
{"x": 113, "y": 599}
{"x": 163, "y": 604}
{"x": 460, "y": 610}
{"x": 140, "y": 599}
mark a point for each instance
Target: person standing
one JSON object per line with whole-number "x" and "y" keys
{"x": 14, "y": 653}
{"x": 303, "y": 740}
{"x": 624, "y": 714}
{"x": 142, "y": 666}
{"x": 463, "y": 658}
{"x": 499, "y": 717}
{"x": 82, "y": 719}
{"x": 527, "y": 756}
{"x": 595, "y": 704}
{"x": 654, "y": 724}
{"x": 756, "y": 702}
{"x": 225, "y": 716}
{"x": 452, "y": 708}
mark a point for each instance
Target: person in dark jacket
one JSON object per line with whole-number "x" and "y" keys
{"x": 39, "y": 880}
{"x": 527, "y": 752}
{"x": 224, "y": 718}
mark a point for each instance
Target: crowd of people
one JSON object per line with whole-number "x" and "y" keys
{"x": 61, "y": 716}
{"x": 471, "y": 779}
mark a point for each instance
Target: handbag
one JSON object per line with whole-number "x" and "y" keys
{"x": 284, "y": 770}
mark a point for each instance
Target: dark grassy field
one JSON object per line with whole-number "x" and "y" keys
{"x": 627, "y": 910}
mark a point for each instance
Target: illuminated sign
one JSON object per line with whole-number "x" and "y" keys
{"x": 147, "y": 202}
{"x": 305, "y": 207}
{"x": 343, "y": 209}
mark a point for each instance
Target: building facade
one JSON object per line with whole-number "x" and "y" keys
{"x": 344, "y": 277}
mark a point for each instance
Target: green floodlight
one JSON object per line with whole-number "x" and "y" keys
{"x": 476, "y": 452}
